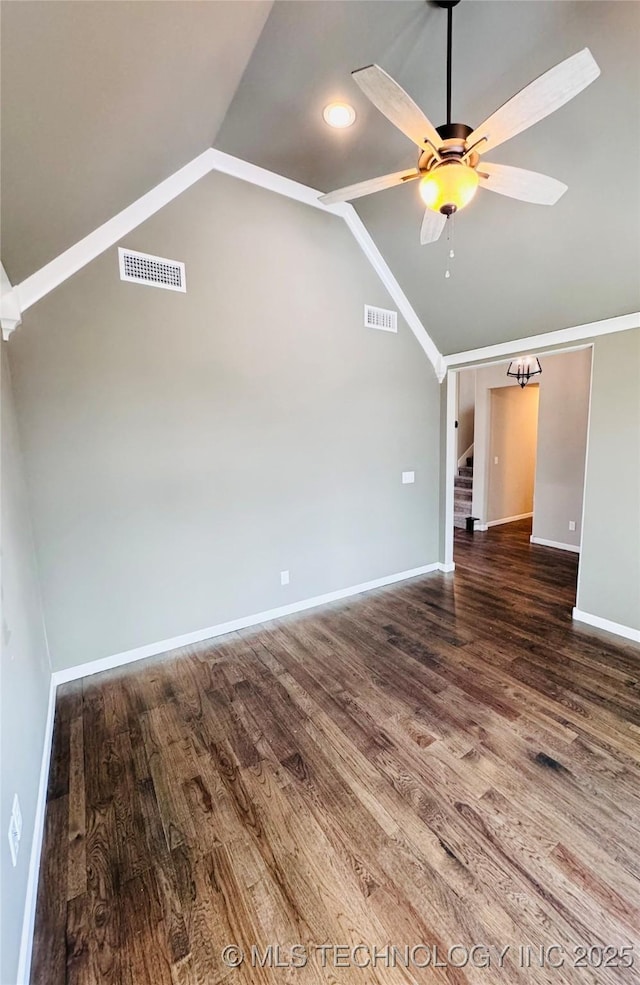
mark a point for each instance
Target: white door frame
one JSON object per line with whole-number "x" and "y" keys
{"x": 450, "y": 426}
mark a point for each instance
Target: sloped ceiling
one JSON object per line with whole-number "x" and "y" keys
{"x": 519, "y": 269}
{"x": 101, "y": 101}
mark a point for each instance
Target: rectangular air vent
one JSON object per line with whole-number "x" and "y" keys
{"x": 142, "y": 268}
{"x": 382, "y": 318}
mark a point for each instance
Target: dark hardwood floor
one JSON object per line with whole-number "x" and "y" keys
{"x": 446, "y": 762}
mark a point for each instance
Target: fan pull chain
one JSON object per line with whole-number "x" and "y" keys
{"x": 450, "y": 248}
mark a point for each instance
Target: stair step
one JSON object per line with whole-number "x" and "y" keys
{"x": 463, "y": 482}
{"x": 462, "y": 504}
{"x": 466, "y": 470}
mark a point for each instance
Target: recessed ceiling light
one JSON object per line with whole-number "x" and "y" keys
{"x": 339, "y": 115}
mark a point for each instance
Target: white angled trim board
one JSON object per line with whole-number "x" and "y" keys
{"x": 163, "y": 646}
{"x": 619, "y": 629}
{"x": 620, "y": 323}
{"x": 235, "y": 167}
{"x": 508, "y": 519}
{"x": 10, "y": 314}
{"x": 72, "y": 260}
{"x": 381, "y": 267}
{"x": 68, "y": 263}
{"x": 16, "y": 300}
{"x": 543, "y": 542}
{"x": 29, "y": 917}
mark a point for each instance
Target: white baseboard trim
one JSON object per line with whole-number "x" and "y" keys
{"x": 199, "y": 636}
{"x": 481, "y": 527}
{"x": 543, "y": 542}
{"x": 509, "y": 519}
{"x": 29, "y": 918}
{"x": 446, "y": 568}
{"x": 598, "y": 622}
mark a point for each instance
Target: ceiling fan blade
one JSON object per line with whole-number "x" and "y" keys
{"x": 527, "y": 186}
{"x": 368, "y": 187}
{"x": 432, "y": 225}
{"x": 398, "y": 107}
{"x": 540, "y": 98}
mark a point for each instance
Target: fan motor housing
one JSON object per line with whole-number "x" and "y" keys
{"x": 454, "y": 131}
{"x": 453, "y": 136}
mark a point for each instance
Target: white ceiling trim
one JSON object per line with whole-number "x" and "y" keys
{"x": 277, "y": 183}
{"x": 54, "y": 273}
{"x": 379, "y": 264}
{"x": 17, "y": 299}
{"x": 10, "y": 314}
{"x": 619, "y": 323}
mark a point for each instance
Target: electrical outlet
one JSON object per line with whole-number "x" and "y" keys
{"x": 495, "y": 460}
{"x": 408, "y": 477}
{"x": 284, "y": 577}
{"x": 572, "y": 524}
{"x": 15, "y": 830}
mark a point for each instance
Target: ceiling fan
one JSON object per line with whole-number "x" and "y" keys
{"x": 449, "y": 167}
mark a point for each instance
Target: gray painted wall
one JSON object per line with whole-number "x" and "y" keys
{"x": 183, "y": 449}
{"x": 562, "y": 444}
{"x": 24, "y": 680}
{"x": 609, "y": 579}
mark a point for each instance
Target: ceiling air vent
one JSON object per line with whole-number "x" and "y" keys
{"x": 382, "y": 318}
{"x": 142, "y": 268}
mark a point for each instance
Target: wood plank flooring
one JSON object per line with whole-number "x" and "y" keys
{"x": 446, "y": 762}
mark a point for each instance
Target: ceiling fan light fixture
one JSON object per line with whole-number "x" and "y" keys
{"x": 448, "y": 187}
{"x": 339, "y": 115}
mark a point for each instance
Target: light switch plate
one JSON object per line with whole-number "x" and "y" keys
{"x": 284, "y": 577}
{"x": 408, "y": 477}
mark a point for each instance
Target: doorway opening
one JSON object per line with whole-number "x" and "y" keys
{"x": 523, "y": 460}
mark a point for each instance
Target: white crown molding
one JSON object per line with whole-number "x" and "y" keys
{"x": 381, "y": 267}
{"x": 10, "y": 313}
{"x": 628, "y": 632}
{"x": 619, "y": 323}
{"x": 235, "y": 167}
{"x": 54, "y": 273}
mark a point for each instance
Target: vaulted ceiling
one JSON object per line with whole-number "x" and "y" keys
{"x": 102, "y": 100}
